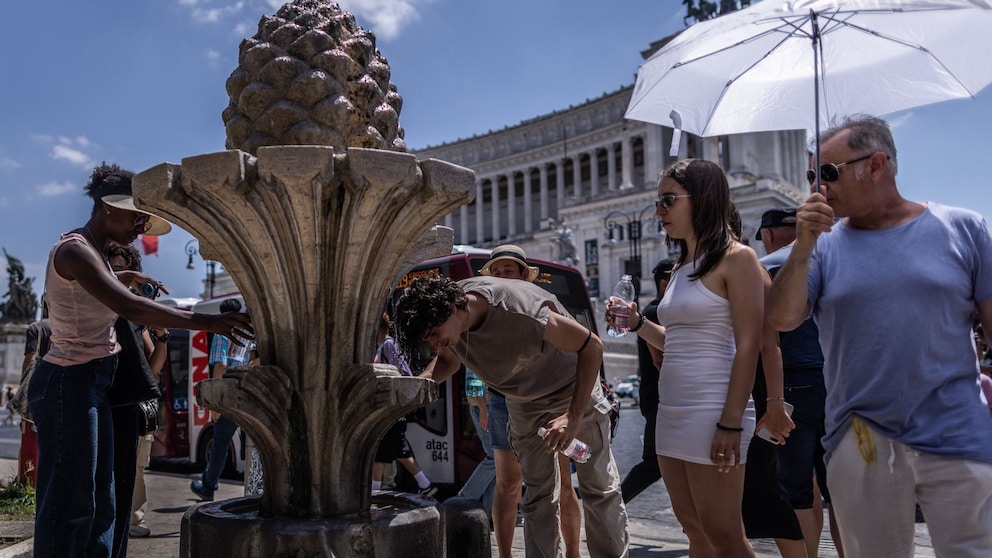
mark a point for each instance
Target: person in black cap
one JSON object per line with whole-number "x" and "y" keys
{"x": 779, "y": 226}
{"x": 69, "y": 387}
{"x": 802, "y": 366}
{"x": 646, "y": 473}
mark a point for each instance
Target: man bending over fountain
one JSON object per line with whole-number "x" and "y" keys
{"x": 520, "y": 340}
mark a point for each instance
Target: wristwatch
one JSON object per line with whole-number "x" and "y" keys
{"x": 164, "y": 338}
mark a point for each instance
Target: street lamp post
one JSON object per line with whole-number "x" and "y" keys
{"x": 618, "y": 221}
{"x": 192, "y": 249}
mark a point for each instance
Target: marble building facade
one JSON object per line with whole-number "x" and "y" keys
{"x": 589, "y": 168}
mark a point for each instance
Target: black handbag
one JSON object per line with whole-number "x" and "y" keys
{"x": 147, "y": 417}
{"x": 133, "y": 379}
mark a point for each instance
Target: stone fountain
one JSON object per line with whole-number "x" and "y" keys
{"x": 316, "y": 212}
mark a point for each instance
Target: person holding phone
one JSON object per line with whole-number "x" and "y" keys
{"x": 68, "y": 391}
{"x": 801, "y": 459}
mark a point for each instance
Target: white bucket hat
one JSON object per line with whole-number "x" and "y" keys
{"x": 157, "y": 226}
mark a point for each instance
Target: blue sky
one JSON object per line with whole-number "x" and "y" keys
{"x": 140, "y": 83}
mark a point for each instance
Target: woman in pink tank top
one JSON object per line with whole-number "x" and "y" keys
{"x": 68, "y": 390}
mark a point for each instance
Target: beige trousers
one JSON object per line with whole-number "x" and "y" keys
{"x": 140, "y": 498}
{"x": 599, "y": 481}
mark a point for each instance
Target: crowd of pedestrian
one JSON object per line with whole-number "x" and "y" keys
{"x": 840, "y": 370}
{"x": 866, "y": 313}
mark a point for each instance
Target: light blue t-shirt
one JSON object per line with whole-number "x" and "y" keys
{"x": 894, "y": 308}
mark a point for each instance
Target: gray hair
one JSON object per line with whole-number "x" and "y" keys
{"x": 869, "y": 134}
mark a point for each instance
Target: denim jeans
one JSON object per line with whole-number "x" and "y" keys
{"x": 224, "y": 430}
{"x": 75, "y": 492}
{"x": 481, "y": 484}
{"x": 125, "y": 466}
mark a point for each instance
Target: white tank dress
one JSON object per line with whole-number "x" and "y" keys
{"x": 695, "y": 375}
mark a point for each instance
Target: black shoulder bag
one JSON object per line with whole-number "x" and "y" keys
{"x": 134, "y": 383}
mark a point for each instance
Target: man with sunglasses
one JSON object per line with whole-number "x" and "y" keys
{"x": 892, "y": 286}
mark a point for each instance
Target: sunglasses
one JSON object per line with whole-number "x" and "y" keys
{"x": 830, "y": 172}
{"x": 142, "y": 222}
{"x": 668, "y": 200}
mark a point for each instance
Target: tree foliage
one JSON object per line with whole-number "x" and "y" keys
{"x": 699, "y": 10}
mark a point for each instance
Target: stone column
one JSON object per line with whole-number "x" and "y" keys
{"x": 544, "y": 192}
{"x": 480, "y": 220}
{"x": 654, "y": 155}
{"x": 511, "y": 205}
{"x": 626, "y": 163}
{"x": 560, "y": 182}
{"x": 463, "y": 224}
{"x": 594, "y": 172}
{"x": 528, "y": 201}
{"x": 577, "y": 176}
{"x": 611, "y": 166}
{"x": 494, "y": 185}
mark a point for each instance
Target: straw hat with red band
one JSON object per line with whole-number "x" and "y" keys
{"x": 157, "y": 226}
{"x": 514, "y": 253}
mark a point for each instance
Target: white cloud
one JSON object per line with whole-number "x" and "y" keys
{"x": 244, "y": 29}
{"x": 213, "y": 15}
{"x": 386, "y": 17}
{"x": 213, "y": 57}
{"x": 8, "y": 163}
{"x": 53, "y": 189}
{"x": 83, "y": 141}
{"x": 73, "y": 156}
{"x": 901, "y": 120}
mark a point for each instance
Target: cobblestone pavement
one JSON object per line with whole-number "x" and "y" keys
{"x": 653, "y": 529}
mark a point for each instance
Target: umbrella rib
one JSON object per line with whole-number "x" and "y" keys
{"x": 679, "y": 64}
{"x": 845, "y": 23}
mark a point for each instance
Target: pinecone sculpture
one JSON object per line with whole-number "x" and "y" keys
{"x": 312, "y": 76}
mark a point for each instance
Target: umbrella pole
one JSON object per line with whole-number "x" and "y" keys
{"x": 815, "y": 186}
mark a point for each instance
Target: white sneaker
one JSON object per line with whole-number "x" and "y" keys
{"x": 428, "y": 492}
{"x": 138, "y": 531}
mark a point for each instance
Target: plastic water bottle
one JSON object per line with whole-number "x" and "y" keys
{"x": 621, "y": 314}
{"x": 474, "y": 387}
{"x": 577, "y": 450}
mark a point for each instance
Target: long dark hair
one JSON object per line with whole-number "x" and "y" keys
{"x": 706, "y": 182}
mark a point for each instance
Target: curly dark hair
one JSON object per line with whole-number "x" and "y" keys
{"x": 105, "y": 180}
{"x": 424, "y": 305}
{"x": 711, "y": 217}
{"x": 128, "y": 252}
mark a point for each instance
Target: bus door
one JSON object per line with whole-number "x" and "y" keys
{"x": 172, "y": 437}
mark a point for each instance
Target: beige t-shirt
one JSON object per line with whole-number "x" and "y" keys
{"x": 82, "y": 327}
{"x": 508, "y": 352}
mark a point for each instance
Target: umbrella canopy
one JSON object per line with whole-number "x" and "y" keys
{"x": 785, "y": 65}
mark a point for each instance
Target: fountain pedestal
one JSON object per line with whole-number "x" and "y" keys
{"x": 316, "y": 213}
{"x": 397, "y": 525}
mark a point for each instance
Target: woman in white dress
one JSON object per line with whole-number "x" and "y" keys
{"x": 712, "y": 316}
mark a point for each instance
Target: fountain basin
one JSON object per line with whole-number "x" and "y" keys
{"x": 398, "y": 524}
